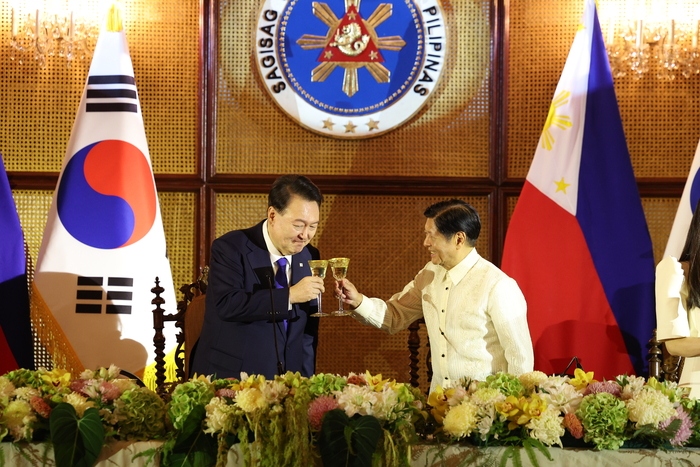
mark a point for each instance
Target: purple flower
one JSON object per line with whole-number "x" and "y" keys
{"x": 684, "y": 431}
{"x": 611, "y": 387}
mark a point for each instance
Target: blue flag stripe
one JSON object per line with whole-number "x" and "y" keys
{"x": 610, "y": 211}
{"x": 14, "y": 312}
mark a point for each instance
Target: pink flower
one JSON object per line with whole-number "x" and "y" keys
{"x": 109, "y": 391}
{"x": 77, "y": 385}
{"x": 40, "y": 406}
{"x": 573, "y": 424}
{"x": 225, "y": 392}
{"x": 684, "y": 431}
{"x": 318, "y": 408}
{"x": 611, "y": 387}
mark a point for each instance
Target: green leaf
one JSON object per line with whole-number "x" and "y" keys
{"x": 346, "y": 442}
{"x": 192, "y": 448}
{"x": 366, "y": 433}
{"x": 335, "y": 450}
{"x": 77, "y": 441}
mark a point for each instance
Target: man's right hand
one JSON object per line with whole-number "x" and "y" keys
{"x": 345, "y": 290}
{"x": 306, "y": 289}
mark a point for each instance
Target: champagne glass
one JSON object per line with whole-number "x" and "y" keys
{"x": 339, "y": 266}
{"x": 318, "y": 269}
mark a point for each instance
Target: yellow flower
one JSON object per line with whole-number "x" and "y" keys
{"x": 438, "y": 401}
{"x": 582, "y": 379}
{"x": 461, "y": 420}
{"x": 250, "y": 399}
{"x": 376, "y": 382}
{"x": 520, "y": 411}
{"x": 202, "y": 378}
{"x": 57, "y": 377}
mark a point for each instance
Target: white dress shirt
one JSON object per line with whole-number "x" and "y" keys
{"x": 476, "y": 317}
{"x": 275, "y": 255}
{"x": 673, "y": 320}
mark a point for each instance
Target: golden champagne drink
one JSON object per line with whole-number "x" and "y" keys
{"x": 318, "y": 269}
{"x": 339, "y": 266}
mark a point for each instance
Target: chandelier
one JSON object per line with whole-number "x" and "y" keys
{"x": 44, "y": 31}
{"x": 660, "y": 39}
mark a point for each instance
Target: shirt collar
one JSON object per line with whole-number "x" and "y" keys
{"x": 274, "y": 252}
{"x": 457, "y": 273}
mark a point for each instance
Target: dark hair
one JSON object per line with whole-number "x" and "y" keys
{"x": 691, "y": 250}
{"x": 287, "y": 185}
{"x": 454, "y": 216}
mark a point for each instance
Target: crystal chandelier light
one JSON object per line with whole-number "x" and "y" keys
{"x": 657, "y": 37}
{"x": 42, "y": 30}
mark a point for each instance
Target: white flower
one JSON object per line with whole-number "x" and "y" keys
{"x": 6, "y": 390}
{"x": 387, "y": 404}
{"x": 357, "y": 400}
{"x": 632, "y": 388}
{"x": 26, "y": 393}
{"x": 218, "y": 417}
{"x": 650, "y": 407}
{"x": 548, "y": 427}
{"x": 274, "y": 391}
{"x": 558, "y": 393}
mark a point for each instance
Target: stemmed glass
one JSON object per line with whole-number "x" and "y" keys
{"x": 339, "y": 266}
{"x": 318, "y": 269}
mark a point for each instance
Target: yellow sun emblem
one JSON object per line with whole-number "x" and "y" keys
{"x": 561, "y": 121}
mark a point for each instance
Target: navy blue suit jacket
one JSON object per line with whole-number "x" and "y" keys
{"x": 238, "y": 332}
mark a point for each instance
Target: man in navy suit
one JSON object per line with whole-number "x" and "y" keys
{"x": 250, "y": 270}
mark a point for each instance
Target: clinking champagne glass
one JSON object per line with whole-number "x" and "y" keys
{"x": 339, "y": 266}
{"x": 318, "y": 269}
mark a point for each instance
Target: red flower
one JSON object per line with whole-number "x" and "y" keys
{"x": 573, "y": 424}
{"x": 357, "y": 380}
{"x": 40, "y": 406}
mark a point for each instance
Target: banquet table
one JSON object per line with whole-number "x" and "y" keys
{"x": 121, "y": 453}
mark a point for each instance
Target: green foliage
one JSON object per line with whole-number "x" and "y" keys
{"x": 77, "y": 441}
{"x": 191, "y": 447}
{"x": 348, "y": 442}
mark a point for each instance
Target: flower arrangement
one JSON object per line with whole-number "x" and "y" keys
{"x": 537, "y": 411}
{"x": 77, "y": 415}
{"x": 355, "y": 420}
{"x": 365, "y": 418}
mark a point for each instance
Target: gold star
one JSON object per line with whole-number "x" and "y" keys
{"x": 328, "y": 123}
{"x": 328, "y": 54}
{"x": 351, "y": 16}
{"x": 373, "y": 125}
{"x": 350, "y": 128}
{"x": 373, "y": 55}
{"x": 561, "y": 185}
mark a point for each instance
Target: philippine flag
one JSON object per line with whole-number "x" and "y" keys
{"x": 578, "y": 244}
{"x": 686, "y": 207}
{"x": 104, "y": 243}
{"x": 15, "y": 328}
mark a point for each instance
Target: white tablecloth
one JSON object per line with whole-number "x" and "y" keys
{"x": 120, "y": 453}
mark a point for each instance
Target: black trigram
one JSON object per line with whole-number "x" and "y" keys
{"x": 92, "y": 296}
{"x": 111, "y": 93}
